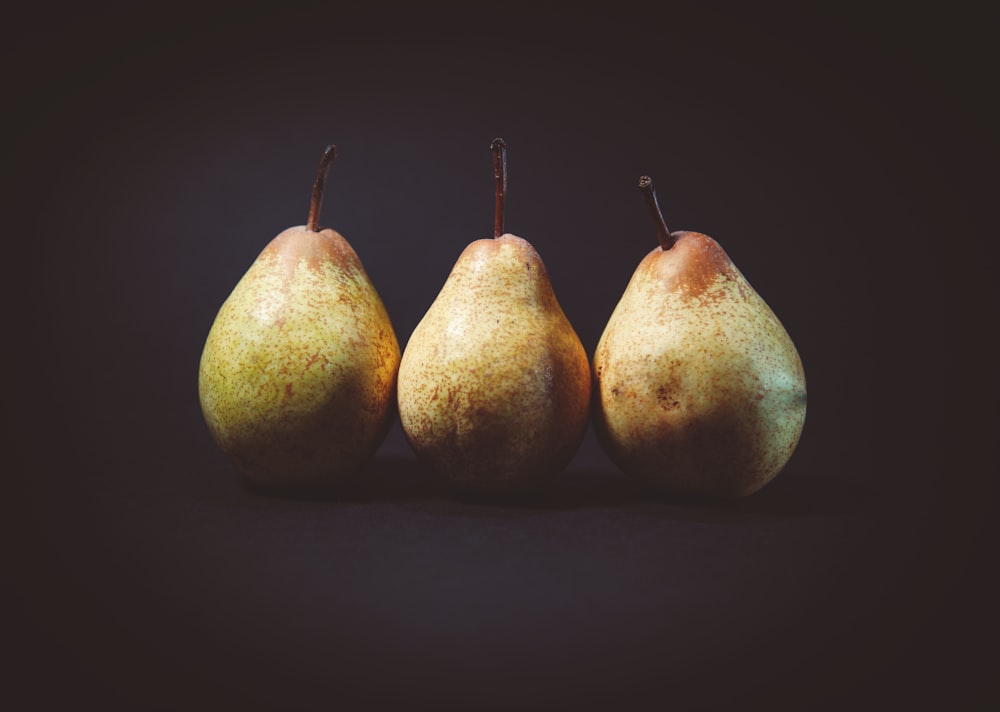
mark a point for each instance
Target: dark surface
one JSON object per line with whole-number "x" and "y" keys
{"x": 845, "y": 160}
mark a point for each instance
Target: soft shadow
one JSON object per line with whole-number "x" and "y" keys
{"x": 406, "y": 481}
{"x": 790, "y": 495}
{"x": 381, "y": 480}
{"x": 571, "y": 489}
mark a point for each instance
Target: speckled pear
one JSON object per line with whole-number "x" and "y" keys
{"x": 297, "y": 377}
{"x": 494, "y": 384}
{"x": 699, "y": 389}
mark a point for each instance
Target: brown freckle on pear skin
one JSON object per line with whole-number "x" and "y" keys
{"x": 663, "y": 395}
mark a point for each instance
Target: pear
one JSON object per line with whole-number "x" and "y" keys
{"x": 494, "y": 384}
{"x": 699, "y": 390}
{"x": 297, "y": 378}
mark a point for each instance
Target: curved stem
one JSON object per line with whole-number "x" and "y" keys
{"x": 652, "y": 204}
{"x": 499, "y": 148}
{"x": 317, "y": 196}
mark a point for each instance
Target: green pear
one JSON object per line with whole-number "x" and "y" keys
{"x": 297, "y": 378}
{"x": 698, "y": 388}
{"x": 494, "y": 384}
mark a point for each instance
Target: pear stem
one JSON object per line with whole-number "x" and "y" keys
{"x": 652, "y": 204}
{"x": 499, "y": 148}
{"x": 317, "y": 195}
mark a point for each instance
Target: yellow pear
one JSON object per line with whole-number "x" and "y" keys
{"x": 297, "y": 378}
{"x": 698, "y": 387}
{"x": 494, "y": 384}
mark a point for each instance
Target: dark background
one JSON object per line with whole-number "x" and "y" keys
{"x": 845, "y": 158}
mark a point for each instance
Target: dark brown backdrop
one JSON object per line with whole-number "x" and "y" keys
{"x": 843, "y": 158}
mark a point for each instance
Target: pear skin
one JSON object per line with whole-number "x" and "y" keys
{"x": 494, "y": 384}
{"x": 298, "y": 373}
{"x": 297, "y": 377}
{"x": 699, "y": 390}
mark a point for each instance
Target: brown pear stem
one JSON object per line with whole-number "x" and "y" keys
{"x": 317, "y": 197}
{"x": 652, "y": 204}
{"x": 499, "y": 148}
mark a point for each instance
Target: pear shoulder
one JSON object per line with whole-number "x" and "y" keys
{"x": 691, "y": 267}
{"x": 298, "y": 245}
{"x": 507, "y": 247}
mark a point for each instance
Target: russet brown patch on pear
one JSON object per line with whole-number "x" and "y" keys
{"x": 705, "y": 262}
